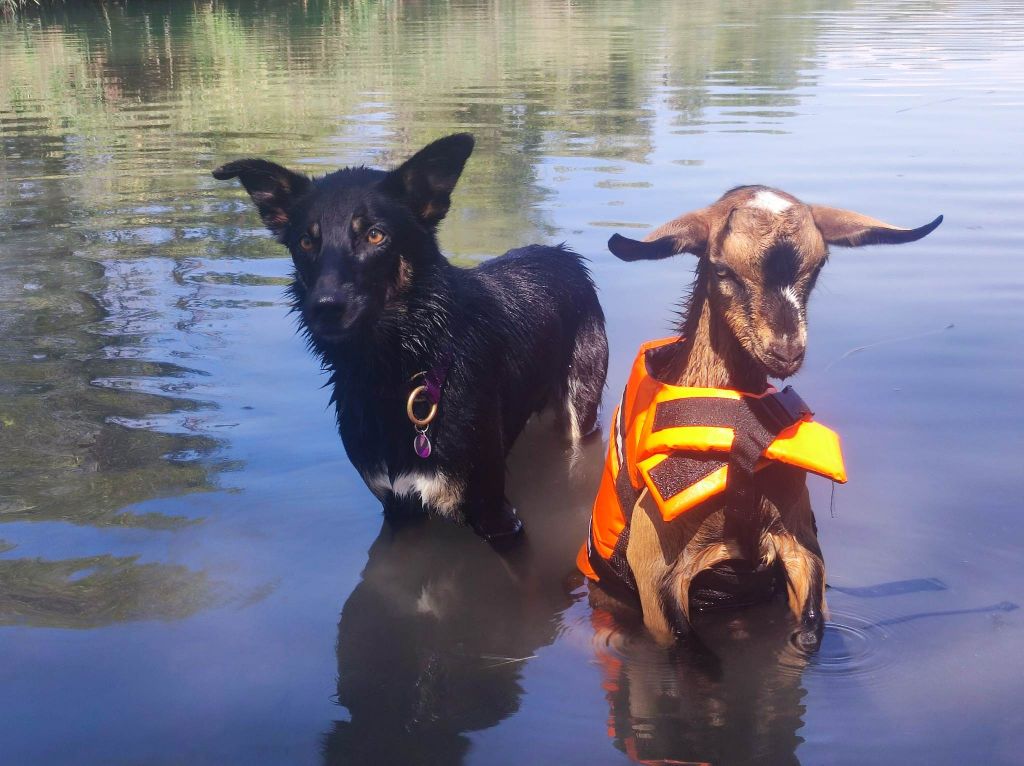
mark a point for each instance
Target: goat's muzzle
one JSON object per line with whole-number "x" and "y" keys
{"x": 784, "y": 356}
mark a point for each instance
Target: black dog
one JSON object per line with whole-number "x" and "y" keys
{"x": 436, "y": 369}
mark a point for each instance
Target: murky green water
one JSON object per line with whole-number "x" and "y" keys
{"x": 181, "y": 529}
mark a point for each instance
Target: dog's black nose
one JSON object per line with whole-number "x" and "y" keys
{"x": 327, "y": 311}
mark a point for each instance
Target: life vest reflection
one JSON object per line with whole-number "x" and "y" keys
{"x": 741, "y": 703}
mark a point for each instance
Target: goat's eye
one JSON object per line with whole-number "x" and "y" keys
{"x": 306, "y": 243}
{"x": 375, "y": 236}
{"x": 724, "y": 272}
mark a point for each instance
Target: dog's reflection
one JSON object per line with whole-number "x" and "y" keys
{"x": 684, "y": 705}
{"x": 432, "y": 642}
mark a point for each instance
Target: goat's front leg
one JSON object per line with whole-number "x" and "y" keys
{"x": 805, "y": 579}
{"x": 665, "y": 557}
{"x": 649, "y": 563}
{"x": 795, "y": 541}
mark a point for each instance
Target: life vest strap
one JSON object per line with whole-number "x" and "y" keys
{"x": 757, "y": 424}
{"x": 775, "y": 411}
{"x": 754, "y": 422}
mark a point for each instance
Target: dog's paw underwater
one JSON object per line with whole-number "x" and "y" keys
{"x": 403, "y": 332}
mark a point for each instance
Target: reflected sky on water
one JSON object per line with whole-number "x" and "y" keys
{"x": 190, "y": 570}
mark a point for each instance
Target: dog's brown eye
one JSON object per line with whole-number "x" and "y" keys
{"x": 375, "y": 236}
{"x": 306, "y": 243}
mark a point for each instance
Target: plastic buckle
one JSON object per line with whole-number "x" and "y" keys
{"x": 786, "y": 407}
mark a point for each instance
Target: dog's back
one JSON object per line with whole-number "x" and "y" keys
{"x": 554, "y": 332}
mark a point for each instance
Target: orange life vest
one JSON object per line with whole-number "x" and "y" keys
{"x": 677, "y": 442}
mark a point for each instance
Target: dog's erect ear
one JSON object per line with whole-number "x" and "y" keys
{"x": 425, "y": 181}
{"x": 849, "y": 229}
{"x": 686, "y": 234}
{"x": 272, "y": 187}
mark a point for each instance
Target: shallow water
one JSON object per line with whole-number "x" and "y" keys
{"x": 193, "y": 573}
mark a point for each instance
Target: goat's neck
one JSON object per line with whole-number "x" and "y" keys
{"x": 713, "y": 358}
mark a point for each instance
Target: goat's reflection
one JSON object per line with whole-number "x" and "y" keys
{"x": 684, "y": 704}
{"x": 432, "y": 642}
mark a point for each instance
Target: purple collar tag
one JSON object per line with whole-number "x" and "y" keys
{"x": 421, "y": 445}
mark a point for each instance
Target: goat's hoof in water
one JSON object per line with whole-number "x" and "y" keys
{"x": 808, "y": 637}
{"x": 807, "y": 641}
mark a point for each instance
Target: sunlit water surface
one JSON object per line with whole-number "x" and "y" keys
{"x": 193, "y": 573}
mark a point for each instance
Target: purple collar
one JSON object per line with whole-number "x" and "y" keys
{"x": 434, "y": 378}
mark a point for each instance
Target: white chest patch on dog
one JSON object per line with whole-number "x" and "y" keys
{"x": 770, "y": 201}
{"x": 436, "y": 491}
{"x": 378, "y": 483}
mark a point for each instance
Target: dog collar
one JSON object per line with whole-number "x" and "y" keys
{"x": 428, "y": 391}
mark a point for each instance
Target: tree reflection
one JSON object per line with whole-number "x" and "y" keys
{"x": 67, "y": 394}
{"x": 98, "y": 590}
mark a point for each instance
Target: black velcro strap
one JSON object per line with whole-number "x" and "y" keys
{"x": 777, "y": 411}
{"x": 680, "y": 470}
{"x": 625, "y": 493}
{"x": 708, "y": 411}
{"x": 755, "y": 422}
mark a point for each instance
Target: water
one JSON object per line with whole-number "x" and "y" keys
{"x": 193, "y": 573}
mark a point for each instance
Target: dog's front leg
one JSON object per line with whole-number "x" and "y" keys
{"x": 486, "y": 509}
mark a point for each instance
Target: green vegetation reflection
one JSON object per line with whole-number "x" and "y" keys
{"x": 118, "y": 251}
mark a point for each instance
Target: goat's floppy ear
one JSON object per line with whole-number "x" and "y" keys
{"x": 272, "y": 187}
{"x": 849, "y": 229}
{"x": 685, "y": 234}
{"x": 425, "y": 181}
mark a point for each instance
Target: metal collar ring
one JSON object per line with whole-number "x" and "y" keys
{"x": 414, "y": 397}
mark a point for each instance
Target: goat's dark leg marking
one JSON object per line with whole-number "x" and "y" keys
{"x": 796, "y": 544}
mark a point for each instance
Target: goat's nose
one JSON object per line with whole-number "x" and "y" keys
{"x": 327, "y": 309}
{"x": 789, "y": 351}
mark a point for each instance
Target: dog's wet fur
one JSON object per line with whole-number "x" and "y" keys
{"x": 379, "y": 303}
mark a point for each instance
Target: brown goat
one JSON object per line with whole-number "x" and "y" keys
{"x": 760, "y": 252}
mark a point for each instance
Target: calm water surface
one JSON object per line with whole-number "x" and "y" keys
{"x": 191, "y": 571}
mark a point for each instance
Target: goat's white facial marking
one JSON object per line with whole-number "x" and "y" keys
{"x": 770, "y": 201}
{"x": 790, "y": 295}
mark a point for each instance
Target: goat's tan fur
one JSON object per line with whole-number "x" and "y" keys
{"x": 732, "y": 325}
